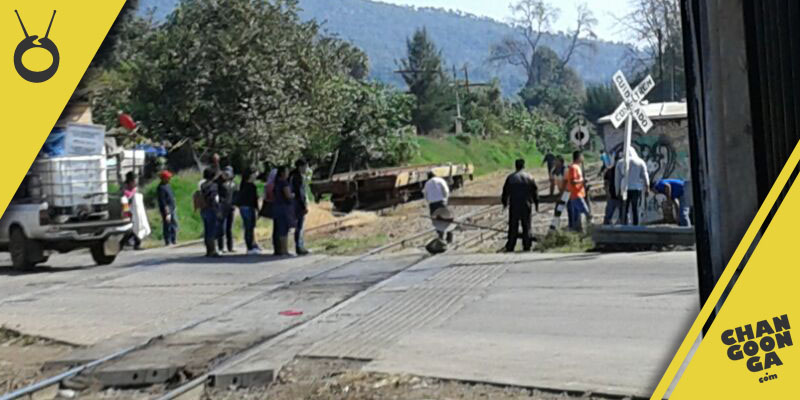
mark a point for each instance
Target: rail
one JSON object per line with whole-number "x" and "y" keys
{"x": 183, "y": 389}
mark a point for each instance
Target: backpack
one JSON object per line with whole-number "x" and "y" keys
{"x": 199, "y": 200}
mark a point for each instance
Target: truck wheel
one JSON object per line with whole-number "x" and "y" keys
{"x": 345, "y": 206}
{"x": 99, "y": 255}
{"x": 19, "y": 248}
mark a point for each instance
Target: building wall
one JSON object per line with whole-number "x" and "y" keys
{"x": 665, "y": 149}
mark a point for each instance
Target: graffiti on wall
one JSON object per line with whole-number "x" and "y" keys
{"x": 665, "y": 149}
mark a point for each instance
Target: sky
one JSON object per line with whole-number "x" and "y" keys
{"x": 604, "y": 10}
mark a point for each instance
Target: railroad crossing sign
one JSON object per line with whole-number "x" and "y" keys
{"x": 632, "y": 102}
{"x": 630, "y": 109}
{"x": 580, "y": 135}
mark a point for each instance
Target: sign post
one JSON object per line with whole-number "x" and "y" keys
{"x": 631, "y": 109}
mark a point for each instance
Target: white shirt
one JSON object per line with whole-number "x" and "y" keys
{"x": 436, "y": 190}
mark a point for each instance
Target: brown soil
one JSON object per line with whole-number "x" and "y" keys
{"x": 337, "y": 379}
{"x": 21, "y": 359}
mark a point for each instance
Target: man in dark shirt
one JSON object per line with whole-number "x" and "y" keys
{"x": 519, "y": 195}
{"x": 248, "y": 208}
{"x": 166, "y": 205}
{"x": 297, "y": 182}
{"x": 614, "y": 204}
{"x": 550, "y": 162}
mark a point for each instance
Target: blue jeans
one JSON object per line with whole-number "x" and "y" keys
{"x": 684, "y": 215}
{"x": 249, "y": 222}
{"x": 576, "y": 208}
{"x": 209, "y": 224}
{"x": 280, "y": 219}
{"x": 614, "y": 206}
{"x": 299, "y": 242}
{"x": 171, "y": 229}
{"x": 225, "y": 229}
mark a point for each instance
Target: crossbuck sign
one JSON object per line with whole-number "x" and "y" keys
{"x": 631, "y": 109}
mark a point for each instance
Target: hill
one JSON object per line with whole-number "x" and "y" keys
{"x": 381, "y": 30}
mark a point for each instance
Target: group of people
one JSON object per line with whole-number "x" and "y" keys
{"x": 284, "y": 201}
{"x": 627, "y": 208}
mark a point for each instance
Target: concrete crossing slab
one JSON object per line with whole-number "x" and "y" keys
{"x": 595, "y": 323}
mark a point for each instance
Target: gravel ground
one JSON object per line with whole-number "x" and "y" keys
{"x": 306, "y": 379}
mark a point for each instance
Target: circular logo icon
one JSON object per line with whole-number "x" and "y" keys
{"x": 30, "y": 43}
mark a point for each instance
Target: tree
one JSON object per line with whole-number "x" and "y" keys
{"x": 557, "y": 87}
{"x": 657, "y": 24}
{"x": 354, "y": 61}
{"x": 601, "y": 100}
{"x": 250, "y": 80}
{"x": 532, "y": 19}
{"x": 423, "y": 72}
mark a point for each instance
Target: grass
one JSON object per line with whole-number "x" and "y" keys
{"x": 486, "y": 155}
{"x": 190, "y": 222}
{"x": 565, "y": 242}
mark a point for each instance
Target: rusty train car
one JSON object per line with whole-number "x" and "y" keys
{"x": 386, "y": 187}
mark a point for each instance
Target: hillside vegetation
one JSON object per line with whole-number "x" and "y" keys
{"x": 381, "y": 31}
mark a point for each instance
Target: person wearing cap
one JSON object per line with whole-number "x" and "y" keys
{"x": 168, "y": 209}
{"x": 227, "y": 187}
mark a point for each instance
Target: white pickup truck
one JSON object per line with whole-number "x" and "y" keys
{"x": 63, "y": 205}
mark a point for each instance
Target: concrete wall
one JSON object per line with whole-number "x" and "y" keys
{"x": 665, "y": 149}
{"x": 722, "y": 133}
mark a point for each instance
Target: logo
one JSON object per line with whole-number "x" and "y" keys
{"x": 29, "y": 43}
{"x": 759, "y": 344}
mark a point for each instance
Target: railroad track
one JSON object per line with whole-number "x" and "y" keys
{"x": 85, "y": 369}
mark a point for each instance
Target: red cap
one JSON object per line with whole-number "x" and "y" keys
{"x": 165, "y": 175}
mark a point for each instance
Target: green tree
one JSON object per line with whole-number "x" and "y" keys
{"x": 422, "y": 70}
{"x": 556, "y": 87}
{"x": 601, "y": 100}
{"x": 250, "y": 80}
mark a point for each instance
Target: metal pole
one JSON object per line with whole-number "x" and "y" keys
{"x": 625, "y": 177}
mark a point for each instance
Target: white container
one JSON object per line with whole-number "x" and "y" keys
{"x": 70, "y": 182}
{"x": 85, "y": 140}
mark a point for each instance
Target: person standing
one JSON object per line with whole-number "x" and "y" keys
{"x": 168, "y": 209}
{"x": 607, "y": 163}
{"x": 676, "y": 190}
{"x": 520, "y": 194}
{"x": 576, "y": 185}
{"x": 297, "y": 181}
{"x": 281, "y": 209}
{"x": 209, "y": 191}
{"x": 436, "y": 194}
{"x": 268, "y": 205}
{"x": 248, "y": 208}
{"x": 129, "y": 191}
{"x": 557, "y": 175}
{"x": 614, "y": 201}
{"x": 638, "y": 181}
{"x": 550, "y": 161}
{"x": 227, "y": 188}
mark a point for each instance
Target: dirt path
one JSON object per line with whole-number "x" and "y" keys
{"x": 378, "y": 228}
{"x": 21, "y": 358}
